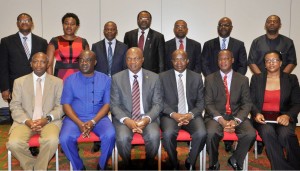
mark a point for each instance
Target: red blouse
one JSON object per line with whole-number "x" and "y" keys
{"x": 271, "y": 101}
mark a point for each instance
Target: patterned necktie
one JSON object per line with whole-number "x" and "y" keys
{"x": 136, "y": 111}
{"x": 109, "y": 58}
{"x": 227, "y": 106}
{"x": 224, "y": 44}
{"x": 181, "y": 46}
{"x": 181, "y": 96}
{"x": 38, "y": 108}
{"x": 26, "y": 48}
{"x": 141, "y": 41}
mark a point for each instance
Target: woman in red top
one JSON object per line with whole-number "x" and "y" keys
{"x": 65, "y": 49}
{"x": 276, "y": 97}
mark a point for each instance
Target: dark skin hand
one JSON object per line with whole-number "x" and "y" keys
{"x": 282, "y": 119}
{"x": 36, "y": 125}
{"x": 130, "y": 123}
{"x": 229, "y": 126}
{"x": 6, "y": 95}
{"x": 182, "y": 119}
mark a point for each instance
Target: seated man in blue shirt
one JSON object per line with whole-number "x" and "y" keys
{"x": 85, "y": 101}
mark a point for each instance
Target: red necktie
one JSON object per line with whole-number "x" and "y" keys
{"x": 141, "y": 41}
{"x": 136, "y": 112}
{"x": 228, "y": 109}
{"x": 181, "y": 47}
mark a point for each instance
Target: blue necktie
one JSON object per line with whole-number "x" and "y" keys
{"x": 109, "y": 58}
{"x": 224, "y": 44}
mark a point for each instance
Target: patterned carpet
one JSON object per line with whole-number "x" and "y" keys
{"x": 138, "y": 156}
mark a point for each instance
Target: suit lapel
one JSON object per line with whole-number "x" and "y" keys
{"x": 145, "y": 87}
{"x": 127, "y": 88}
{"x": 172, "y": 79}
{"x": 148, "y": 39}
{"x": 220, "y": 83}
{"x": 103, "y": 50}
{"x": 135, "y": 38}
{"x": 29, "y": 87}
{"x": 188, "y": 48}
{"x": 47, "y": 87}
{"x": 230, "y": 44}
{"x": 19, "y": 43}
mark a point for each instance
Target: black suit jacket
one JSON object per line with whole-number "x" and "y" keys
{"x": 209, "y": 56}
{"x": 153, "y": 50}
{"x": 194, "y": 92}
{"x": 215, "y": 96}
{"x": 14, "y": 62}
{"x": 193, "y": 49}
{"x": 289, "y": 94}
{"x": 119, "y": 57}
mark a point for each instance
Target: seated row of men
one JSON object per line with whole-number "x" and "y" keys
{"x": 141, "y": 102}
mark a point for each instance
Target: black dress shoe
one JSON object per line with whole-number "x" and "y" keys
{"x": 187, "y": 164}
{"x": 233, "y": 163}
{"x": 228, "y": 146}
{"x": 96, "y": 147}
{"x": 83, "y": 168}
{"x": 34, "y": 151}
{"x": 214, "y": 167}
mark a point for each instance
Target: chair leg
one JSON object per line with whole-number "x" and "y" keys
{"x": 56, "y": 159}
{"x": 255, "y": 149}
{"x": 9, "y": 160}
{"x": 113, "y": 159}
{"x": 245, "y": 166}
{"x": 159, "y": 156}
{"x": 116, "y": 157}
{"x": 202, "y": 158}
{"x": 71, "y": 168}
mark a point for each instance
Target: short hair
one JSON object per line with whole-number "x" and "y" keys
{"x": 145, "y": 12}
{"x": 274, "y": 16}
{"x": 274, "y": 51}
{"x": 24, "y": 14}
{"x": 72, "y": 15}
{"x": 223, "y": 50}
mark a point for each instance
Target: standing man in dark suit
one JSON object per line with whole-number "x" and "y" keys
{"x": 212, "y": 47}
{"x": 183, "y": 105}
{"x": 110, "y": 60}
{"x": 16, "y": 52}
{"x": 139, "y": 114}
{"x": 192, "y": 47}
{"x": 227, "y": 104}
{"x": 151, "y": 42}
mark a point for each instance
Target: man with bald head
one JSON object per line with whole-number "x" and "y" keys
{"x": 110, "y": 53}
{"x": 272, "y": 40}
{"x": 85, "y": 101}
{"x": 135, "y": 106}
{"x": 192, "y": 47}
{"x": 183, "y": 105}
{"x": 35, "y": 109}
{"x": 211, "y": 48}
{"x": 227, "y": 104}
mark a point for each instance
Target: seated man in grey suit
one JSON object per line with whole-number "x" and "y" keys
{"x": 36, "y": 109}
{"x": 227, "y": 104}
{"x": 183, "y": 105}
{"x": 192, "y": 47}
{"x": 135, "y": 105}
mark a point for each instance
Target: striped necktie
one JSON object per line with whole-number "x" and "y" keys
{"x": 109, "y": 58}
{"x": 26, "y": 48}
{"x": 181, "y": 96}
{"x": 136, "y": 111}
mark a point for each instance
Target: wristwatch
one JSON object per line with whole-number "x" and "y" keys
{"x": 49, "y": 118}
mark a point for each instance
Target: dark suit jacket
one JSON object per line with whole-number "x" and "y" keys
{"x": 215, "y": 96}
{"x": 154, "y": 49}
{"x": 194, "y": 92}
{"x": 193, "y": 50}
{"x": 119, "y": 57}
{"x": 289, "y": 94}
{"x": 209, "y": 56}
{"x": 120, "y": 95}
{"x": 14, "y": 62}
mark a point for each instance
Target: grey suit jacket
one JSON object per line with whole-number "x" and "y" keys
{"x": 215, "y": 96}
{"x": 194, "y": 92}
{"x": 23, "y": 99}
{"x": 121, "y": 97}
{"x": 193, "y": 49}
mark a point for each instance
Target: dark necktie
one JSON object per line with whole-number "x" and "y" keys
{"x": 181, "y": 99}
{"x": 181, "y": 46}
{"x": 224, "y": 44}
{"x": 26, "y": 48}
{"x": 141, "y": 41}
{"x": 227, "y": 106}
{"x": 38, "y": 109}
{"x": 136, "y": 111}
{"x": 109, "y": 58}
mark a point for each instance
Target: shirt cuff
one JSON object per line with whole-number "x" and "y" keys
{"x": 216, "y": 118}
{"x": 122, "y": 120}
{"x": 193, "y": 116}
{"x": 171, "y": 114}
{"x": 238, "y": 119}
{"x": 147, "y": 117}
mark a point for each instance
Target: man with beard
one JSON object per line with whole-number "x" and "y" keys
{"x": 151, "y": 42}
{"x": 192, "y": 47}
{"x": 212, "y": 47}
{"x": 272, "y": 40}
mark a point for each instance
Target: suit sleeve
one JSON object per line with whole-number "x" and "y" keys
{"x": 291, "y": 54}
{"x": 245, "y": 100}
{"x": 294, "y": 97}
{"x": 242, "y": 60}
{"x": 4, "y": 77}
{"x": 252, "y": 53}
{"x": 161, "y": 53}
{"x": 254, "y": 97}
{"x": 197, "y": 110}
{"x": 17, "y": 112}
{"x": 126, "y": 39}
{"x": 57, "y": 111}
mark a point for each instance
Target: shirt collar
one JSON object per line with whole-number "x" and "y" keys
{"x": 229, "y": 75}
{"x": 221, "y": 39}
{"x": 139, "y": 74}
{"x": 113, "y": 41}
{"x": 183, "y": 39}
{"x": 28, "y": 36}
{"x": 146, "y": 31}
{"x": 35, "y": 77}
{"x": 177, "y": 73}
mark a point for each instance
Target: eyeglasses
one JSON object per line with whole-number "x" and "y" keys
{"x": 179, "y": 60}
{"x": 274, "y": 60}
{"x": 24, "y": 21}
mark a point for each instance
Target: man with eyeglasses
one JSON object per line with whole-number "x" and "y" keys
{"x": 192, "y": 47}
{"x": 272, "y": 40}
{"x": 151, "y": 42}
{"x": 211, "y": 48}
{"x": 136, "y": 103}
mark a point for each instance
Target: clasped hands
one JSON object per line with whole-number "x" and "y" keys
{"x": 182, "y": 119}
{"x": 229, "y": 126}
{"x": 36, "y": 125}
{"x": 282, "y": 119}
{"x": 137, "y": 126}
{"x": 86, "y": 128}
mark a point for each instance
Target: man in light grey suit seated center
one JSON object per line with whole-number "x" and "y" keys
{"x": 135, "y": 105}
